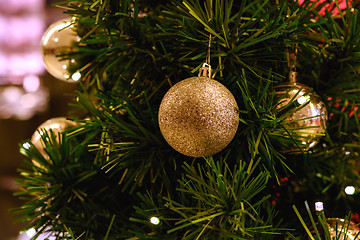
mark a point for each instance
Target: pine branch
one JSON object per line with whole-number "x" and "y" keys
{"x": 214, "y": 202}
{"x": 90, "y": 181}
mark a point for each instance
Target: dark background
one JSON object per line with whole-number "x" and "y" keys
{"x": 13, "y": 132}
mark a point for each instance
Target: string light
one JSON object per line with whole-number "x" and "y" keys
{"x": 26, "y": 145}
{"x": 319, "y": 206}
{"x": 350, "y": 190}
{"x": 155, "y": 220}
{"x": 303, "y": 99}
{"x": 31, "y": 232}
{"x": 76, "y": 76}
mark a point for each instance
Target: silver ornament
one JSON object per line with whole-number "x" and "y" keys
{"x": 198, "y": 116}
{"x": 57, "y": 125}
{"x": 306, "y": 122}
{"x": 58, "y": 39}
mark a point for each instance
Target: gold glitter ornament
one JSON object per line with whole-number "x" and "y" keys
{"x": 341, "y": 229}
{"x": 57, "y": 125}
{"x": 198, "y": 116}
{"x": 59, "y": 38}
{"x": 338, "y": 228}
{"x": 307, "y": 117}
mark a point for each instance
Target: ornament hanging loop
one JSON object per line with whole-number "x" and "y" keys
{"x": 293, "y": 75}
{"x": 205, "y": 70}
{"x": 291, "y": 58}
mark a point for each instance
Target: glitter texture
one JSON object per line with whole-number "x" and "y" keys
{"x": 198, "y": 117}
{"x": 347, "y": 230}
{"x": 307, "y": 123}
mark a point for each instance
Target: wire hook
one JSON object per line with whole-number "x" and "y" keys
{"x": 205, "y": 70}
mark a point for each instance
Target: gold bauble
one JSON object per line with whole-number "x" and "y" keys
{"x": 198, "y": 116}
{"x": 337, "y": 228}
{"x": 59, "y": 39}
{"x": 308, "y": 115}
{"x": 341, "y": 229}
{"x": 56, "y": 125}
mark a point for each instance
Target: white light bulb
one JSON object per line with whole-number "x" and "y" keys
{"x": 26, "y": 145}
{"x": 350, "y": 190}
{"x": 76, "y": 76}
{"x": 155, "y": 220}
{"x": 31, "y": 232}
{"x": 303, "y": 99}
{"x": 319, "y": 206}
{"x": 312, "y": 144}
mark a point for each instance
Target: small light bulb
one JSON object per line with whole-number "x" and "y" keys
{"x": 26, "y": 145}
{"x": 319, "y": 206}
{"x": 31, "y": 232}
{"x": 303, "y": 99}
{"x": 76, "y": 76}
{"x": 155, "y": 220}
{"x": 312, "y": 144}
{"x": 350, "y": 190}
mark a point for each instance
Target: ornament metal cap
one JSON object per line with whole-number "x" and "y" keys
{"x": 293, "y": 75}
{"x": 205, "y": 70}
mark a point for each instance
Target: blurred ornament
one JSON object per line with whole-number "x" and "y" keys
{"x": 343, "y": 106}
{"x": 339, "y": 229}
{"x": 279, "y": 188}
{"x": 23, "y": 102}
{"x": 57, "y": 125}
{"x": 198, "y": 116}
{"x": 324, "y": 5}
{"x": 60, "y": 39}
{"x": 307, "y": 114}
{"x": 356, "y": 218}
{"x": 45, "y": 235}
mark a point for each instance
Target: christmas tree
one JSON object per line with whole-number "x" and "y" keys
{"x": 213, "y": 119}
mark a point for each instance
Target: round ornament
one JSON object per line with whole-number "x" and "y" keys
{"x": 339, "y": 229}
{"x": 323, "y": 6}
{"x": 56, "y": 125}
{"x": 198, "y": 116}
{"x": 60, "y": 39}
{"x": 306, "y": 114}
